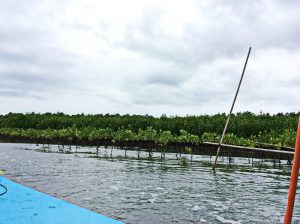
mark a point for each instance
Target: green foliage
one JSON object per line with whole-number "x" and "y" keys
{"x": 188, "y": 150}
{"x": 149, "y": 134}
{"x": 285, "y": 139}
{"x": 188, "y": 138}
{"x": 241, "y": 124}
{"x": 245, "y": 129}
{"x": 183, "y": 161}
{"x": 123, "y": 135}
{"x": 165, "y": 137}
{"x": 211, "y": 137}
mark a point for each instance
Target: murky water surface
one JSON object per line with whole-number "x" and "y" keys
{"x": 148, "y": 191}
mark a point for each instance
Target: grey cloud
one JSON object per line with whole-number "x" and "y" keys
{"x": 77, "y": 26}
{"x": 161, "y": 94}
{"x": 34, "y": 72}
{"x": 155, "y": 95}
{"x": 28, "y": 84}
{"x": 163, "y": 79}
{"x": 212, "y": 82}
{"x": 167, "y": 75}
{"x": 19, "y": 93}
{"x": 231, "y": 27}
{"x": 147, "y": 66}
{"x": 17, "y": 57}
{"x": 26, "y": 80}
{"x": 148, "y": 37}
{"x": 294, "y": 83}
{"x": 31, "y": 64}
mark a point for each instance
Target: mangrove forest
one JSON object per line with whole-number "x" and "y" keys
{"x": 245, "y": 129}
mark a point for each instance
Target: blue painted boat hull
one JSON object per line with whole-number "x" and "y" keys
{"x": 23, "y": 205}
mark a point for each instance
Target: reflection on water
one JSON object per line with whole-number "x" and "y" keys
{"x": 148, "y": 191}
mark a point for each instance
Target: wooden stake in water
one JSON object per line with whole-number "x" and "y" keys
{"x": 232, "y": 106}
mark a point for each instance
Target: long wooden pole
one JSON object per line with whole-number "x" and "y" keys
{"x": 232, "y": 106}
{"x": 293, "y": 180}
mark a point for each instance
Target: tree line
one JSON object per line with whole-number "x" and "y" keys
{"x": 243, "y": 125}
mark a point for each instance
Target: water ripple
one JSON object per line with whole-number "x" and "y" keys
{"x": 143, "y": 191}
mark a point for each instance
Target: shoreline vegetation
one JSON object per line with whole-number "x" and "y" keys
{"x": 245, "y": 130}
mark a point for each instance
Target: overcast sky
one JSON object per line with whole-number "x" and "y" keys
{"x": 148, "y": 57}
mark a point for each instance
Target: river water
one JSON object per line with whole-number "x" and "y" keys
{"x": 151, "y": 191}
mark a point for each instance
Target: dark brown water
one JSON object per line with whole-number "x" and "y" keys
{"x": 144, "y": 191}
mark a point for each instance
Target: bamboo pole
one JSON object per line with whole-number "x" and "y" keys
{"x": 293, "y": 181}
{"x": 231, "y": 109}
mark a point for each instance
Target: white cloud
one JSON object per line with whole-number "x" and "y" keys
{"x": 154, "y": 57}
